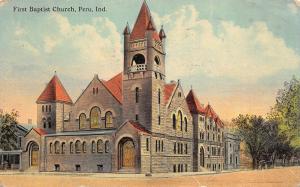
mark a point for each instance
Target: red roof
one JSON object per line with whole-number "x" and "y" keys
{"x": 194, "y": 104}
{"x": 169, "y": 88}
{"x": 141, "y": 24}
{"x": 139, "y": 127}
{"x": 209, "y": 112}
{"x": 40, "y": 131}
{"x": 54, "y": 91}
{"x": 114, "y": 85}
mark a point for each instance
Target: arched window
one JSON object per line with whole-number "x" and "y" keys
{"x": 100, "y": 146}
{"x": 50, "y": 147}
{"x": 179, "y": 119}
{"x": 158, "y": 96}
{"x": 44, "y": 123}
{"x": 71, "y": 147}
{"x": 137, "y": 95}
{"x": 185, "y": 124}
{"x": 108, "y": 119}
{"x": 84, "y": 147}
{"x": 174, "y": 121}
{"x": 77, "y": 146}
{"x": 138, "y": 59}
{"x": 107, "y": 146}
{"x": 49, "y": 122}
{"x": 93, "y": 147}
{"x": 43, "y": 108}
{"x": 46, "y": 108}
{"x": 56, "y": 147}
{"x": 63, "y": 148}
{"x": 82, "y": 120}
{"x": 95, "y": 117}
{"x": 49, "y": 108}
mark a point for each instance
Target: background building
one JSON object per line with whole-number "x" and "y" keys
{"x": 232, "y": 151}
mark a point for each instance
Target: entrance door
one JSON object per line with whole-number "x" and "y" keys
{"x": 34, "y": 155}
{"x": 128, "y": 154}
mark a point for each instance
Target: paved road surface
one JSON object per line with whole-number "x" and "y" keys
{"x": 266, "y": 178}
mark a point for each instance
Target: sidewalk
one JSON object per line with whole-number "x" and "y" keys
{"x": 116, "y": 175}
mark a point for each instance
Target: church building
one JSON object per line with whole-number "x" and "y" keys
{"x": 135, "y": 122}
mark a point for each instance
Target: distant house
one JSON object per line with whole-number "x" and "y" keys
{"x": 11, "y": 159}
{"x": 232, "y": 151}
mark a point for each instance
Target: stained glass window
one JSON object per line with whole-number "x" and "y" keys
{"x": 95, "y": 117}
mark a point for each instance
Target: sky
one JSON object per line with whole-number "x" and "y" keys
{"x": 235, "y": 54}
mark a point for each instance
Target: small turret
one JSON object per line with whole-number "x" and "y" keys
{"x": 52, "y": 105}
{"x": 126, "y": 30}
{"x": 126, "y": 34}
{"x": 163, "y": 36}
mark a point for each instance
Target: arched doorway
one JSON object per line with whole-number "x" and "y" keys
{"x": 34, "y": 155}
{"x": 201, "y": 157}
{"x": 126, "y": 154}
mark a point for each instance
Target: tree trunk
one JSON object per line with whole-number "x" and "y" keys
{"x": 254, "y": 163}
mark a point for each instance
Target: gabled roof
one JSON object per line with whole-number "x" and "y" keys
{"x": 114, "y": 85}
{"x": 143, "y": 23}
{"x": 194, "y": 104}
{"x": 209, "y": 112}
{"x": 54, "y": 91}
{"x": 139, "y": 127}
{"x": 40, "y": 131}
{"x": 169, "y": 89}
{"x": 135, "y": 125}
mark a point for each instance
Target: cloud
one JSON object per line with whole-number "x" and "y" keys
{"x": 96, "y": 46}
{"x": 19, "y": 31}
{"x": 297, "y": 3}
{"x": 75, "y": 50}
{"x": 293, "y": 7}
{"x": 27, "y": 47}
{"x": 2, "y": 2}
{"x": 223, "y": 50}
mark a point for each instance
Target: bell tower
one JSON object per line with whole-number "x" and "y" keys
{"x": 144, "y": 71}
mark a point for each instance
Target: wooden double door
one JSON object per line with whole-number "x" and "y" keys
{"x": 126, "y": 154}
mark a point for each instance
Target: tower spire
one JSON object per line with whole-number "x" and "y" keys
{"x": 143, "y": 23}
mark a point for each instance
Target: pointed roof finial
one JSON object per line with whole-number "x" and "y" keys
{"x": 55, "y": 72}
{"x": 127, "y": 29}
{"x": 162, "y": 33}
{"x": 178, "y": 81}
